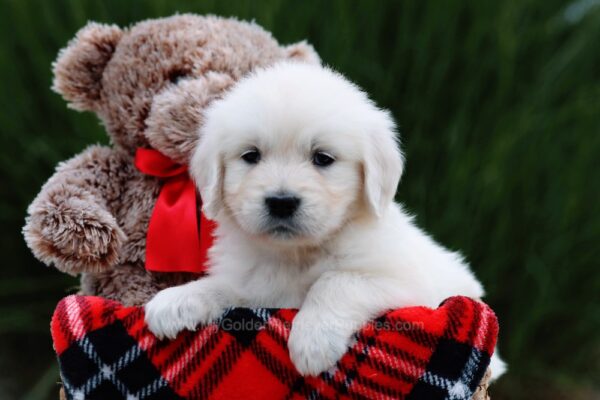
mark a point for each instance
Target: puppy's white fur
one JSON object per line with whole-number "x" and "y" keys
{"x": 347, "y": 255}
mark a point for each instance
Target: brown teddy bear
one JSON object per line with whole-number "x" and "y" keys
{"x": 149, "y": 85}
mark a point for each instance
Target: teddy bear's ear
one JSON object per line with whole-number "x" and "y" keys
{"x": 176, "y": 114}
{"x": 302, "y": 51}
{"x": 79, "y": 67}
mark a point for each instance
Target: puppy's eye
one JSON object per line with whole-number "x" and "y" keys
{"x": 251, "y": 156}
{"x": 322, "y": 159}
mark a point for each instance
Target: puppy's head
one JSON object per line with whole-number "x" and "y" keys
{"x": 295, "y": 151}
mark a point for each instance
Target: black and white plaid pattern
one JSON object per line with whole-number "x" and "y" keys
{"x": 453, "y": 373}
{"x": 112, "y": 365}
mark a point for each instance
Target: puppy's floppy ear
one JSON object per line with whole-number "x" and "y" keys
{"x": 304, "y": 52}
{"x": 206, "y": 168}
{"x": 383, "y": 164}
{"x": 79, "y": 67}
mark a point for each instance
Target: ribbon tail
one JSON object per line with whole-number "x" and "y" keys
{"x": 173, "y": 241}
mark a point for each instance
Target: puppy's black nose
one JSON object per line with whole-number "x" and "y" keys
{"x": 282, "y": 205}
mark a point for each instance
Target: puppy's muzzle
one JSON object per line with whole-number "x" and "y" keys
{"x": 282, "y": 205}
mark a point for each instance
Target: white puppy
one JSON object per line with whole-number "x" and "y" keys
{"x": 299, "y": 168}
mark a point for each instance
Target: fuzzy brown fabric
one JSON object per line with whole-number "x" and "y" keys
{"x": 149, "y": 85}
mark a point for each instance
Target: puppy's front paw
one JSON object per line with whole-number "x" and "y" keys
{"x": 175, "y": 309}
{"x": 315, "y": 345}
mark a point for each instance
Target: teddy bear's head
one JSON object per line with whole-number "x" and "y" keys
{"x": 149, "y": 83}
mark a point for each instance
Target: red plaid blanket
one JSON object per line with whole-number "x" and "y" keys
{"x": 105, "y": 351}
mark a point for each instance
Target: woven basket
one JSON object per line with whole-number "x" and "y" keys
{"x": 482, "y": 389}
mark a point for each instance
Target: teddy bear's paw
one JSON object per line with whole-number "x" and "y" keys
{"x": 315, "y": 345}
{"x": 75, "y": 236}
{"x": 179, "y": 308}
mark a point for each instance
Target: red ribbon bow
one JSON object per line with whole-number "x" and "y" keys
{"x": 174, "y": 242}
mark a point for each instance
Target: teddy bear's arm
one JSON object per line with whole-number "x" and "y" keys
{"x": 69, "y": 224}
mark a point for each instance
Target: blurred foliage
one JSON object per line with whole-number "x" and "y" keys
{"x": 499, "y": 109}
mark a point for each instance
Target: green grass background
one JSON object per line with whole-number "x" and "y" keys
{"x": 499, "y": 109}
